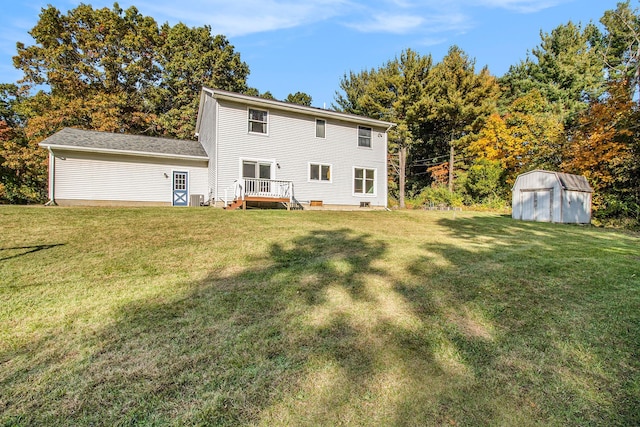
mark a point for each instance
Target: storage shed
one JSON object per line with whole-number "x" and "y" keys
{"x": 547, "y": 196}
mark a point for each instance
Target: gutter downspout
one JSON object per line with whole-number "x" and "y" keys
{"x": 52, "y": 179}
{"x": 216, "y": 112}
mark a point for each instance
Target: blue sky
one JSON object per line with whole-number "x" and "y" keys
{"x": 308, "y": 45}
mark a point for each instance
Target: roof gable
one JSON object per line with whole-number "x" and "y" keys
{"x": 287, "y": 106}
{"x": 87, "y": 140}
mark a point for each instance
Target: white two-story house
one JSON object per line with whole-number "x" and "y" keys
{"x": 250, "y": 150}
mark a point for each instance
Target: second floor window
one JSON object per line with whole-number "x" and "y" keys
{"x": 320, "y": 128}
{"x": 258, "y": 121}
{"x": 364, "y": 137}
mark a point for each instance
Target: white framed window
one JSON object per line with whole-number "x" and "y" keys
{"x": 258, "y": 121}
{"x": 321, "y": 128}
{"x": 364, "y": 181}
{"x": 319, "y": 172}
{"x": 364, "y": 136}
{"x": 257, "y": 175}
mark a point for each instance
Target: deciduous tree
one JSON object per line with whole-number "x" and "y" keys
{"x": 190, "y": 58}
{"x": 115, "y": 70}
{"x": 605, "y": 149}
{"x": 530, "y": 136}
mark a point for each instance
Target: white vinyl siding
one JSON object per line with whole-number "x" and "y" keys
{"x": 292, "y": 145}
{"x": 208, "y": 138}
{"x": 89, "y": 176}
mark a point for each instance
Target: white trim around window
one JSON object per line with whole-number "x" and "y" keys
{"x": 320, "y": 172}
{"x": 321, "y": 128}
{"x": 365, "y": 136}
{"x": 257, "y": 121}
{"x": 257, "y": 161}
{"x": 365, "y": 181}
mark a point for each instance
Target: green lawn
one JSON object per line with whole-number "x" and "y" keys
{"x": 160, "y": 316}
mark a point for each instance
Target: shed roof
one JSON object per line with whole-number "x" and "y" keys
{"x": 574, "y": 182}
{"x": 568, "y": 181}
{"x": 88, "y": 140}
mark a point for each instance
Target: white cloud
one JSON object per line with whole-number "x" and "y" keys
{"x": 396, "y": 24}
{"x": 430, "y": 29}
{"x": 521, "y": 6}
{"x": 238, "y": 18}
{"x": 432, "y": 41}
{"x": 246, "y": 17}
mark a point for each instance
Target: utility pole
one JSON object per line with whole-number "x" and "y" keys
{"x": 402, "y": 166}
{"x": 451, "y": 155}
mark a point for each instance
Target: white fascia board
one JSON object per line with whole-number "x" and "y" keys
{"x": 200, "y": 109}
{"x": 122, "y": 152}
{"x": 312, "y": 111}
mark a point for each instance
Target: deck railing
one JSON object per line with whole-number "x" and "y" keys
{"x": 256, "y": 187}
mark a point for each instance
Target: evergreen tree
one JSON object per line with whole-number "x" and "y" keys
{"x": 566, "y": 68}
{"x": 461, "y": 101}
{"x": 299, "y": 98}
{"x": 395, "y": 92}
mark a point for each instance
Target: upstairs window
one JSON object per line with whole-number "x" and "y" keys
{"x": 364, "y": 137}
{"x": 320, "y": 128}
{"x": 258, "y": 121}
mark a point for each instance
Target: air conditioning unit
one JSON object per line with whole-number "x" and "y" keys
{"x": 196, "y": 200}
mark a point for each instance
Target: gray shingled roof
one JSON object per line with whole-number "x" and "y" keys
{"x": 87, "y": 140}
{"x": 574, "y": 182}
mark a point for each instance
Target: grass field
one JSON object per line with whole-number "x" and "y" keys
{"x": 160, "y": 316}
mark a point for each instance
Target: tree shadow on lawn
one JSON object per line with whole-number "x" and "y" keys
{"x": 538, "y": 310}
{"x": 18, "y": 251}
{"x": 318, "y": 332}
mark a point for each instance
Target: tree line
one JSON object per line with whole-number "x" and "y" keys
{"x": 109, "y": 70}
{"x": 462, "y": 135}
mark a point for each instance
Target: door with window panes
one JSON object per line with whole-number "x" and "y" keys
{"x": 180, "y": 188}
{"x": 256, "y": 175}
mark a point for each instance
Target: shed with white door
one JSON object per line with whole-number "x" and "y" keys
{"x": 547, "y": 196}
